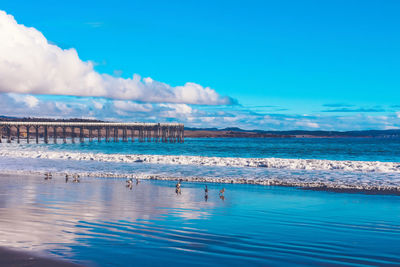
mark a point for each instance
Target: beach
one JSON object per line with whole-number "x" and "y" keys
{"x": 18, "y": 258}
{"x": 102, "y": 222}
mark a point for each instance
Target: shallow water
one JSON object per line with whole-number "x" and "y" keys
{"x": 102, "y": 222}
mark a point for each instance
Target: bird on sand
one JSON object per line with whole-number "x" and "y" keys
{"x": 129, "y": 183}
{"x": 48, "y": 176}
{"x": 222, "y": 191}
{"x": 76, "y": 178}
{"x": 178, "y": 188}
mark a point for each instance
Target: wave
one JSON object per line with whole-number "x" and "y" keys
{"x": 275, "y": 163}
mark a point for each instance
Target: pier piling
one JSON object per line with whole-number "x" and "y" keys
{"x": 73, "y": 134}
{"x": 64, "y": 135}
{"x": 18, "y": 134}
{"x": 90, "y": 134}
{"x": 55, "y": 134}
{"x": 27, "y": 134}
{"x": 46, "y": 137}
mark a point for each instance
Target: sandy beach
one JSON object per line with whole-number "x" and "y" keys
{"x": 17, "y": 258}
{"x": 103, "y": 222}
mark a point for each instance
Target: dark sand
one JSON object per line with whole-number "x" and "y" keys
{"x": 17, "y": 258}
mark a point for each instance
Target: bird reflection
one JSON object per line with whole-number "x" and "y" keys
{"x": 221, "y": 194}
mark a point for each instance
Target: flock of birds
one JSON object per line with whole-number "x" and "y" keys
{"x": 178, "y": 191}
{"x": 75, "y": 177}
{"x": 129, "y": 184}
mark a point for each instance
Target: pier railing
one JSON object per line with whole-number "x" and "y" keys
{"x": 109, "y": 131}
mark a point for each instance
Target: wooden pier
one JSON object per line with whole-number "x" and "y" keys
{"x": 107, "y": 131}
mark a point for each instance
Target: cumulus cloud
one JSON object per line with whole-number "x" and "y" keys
{"x": 192, "y": 116}
{"x": 358, "y": 110}
{"x": 30, "y": 64}
{"x": 28, "y": 100}
{"x": 307, "y": 124}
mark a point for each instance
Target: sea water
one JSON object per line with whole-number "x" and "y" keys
{"x": 101, "y": 222}
{"x": 347, "y": 163}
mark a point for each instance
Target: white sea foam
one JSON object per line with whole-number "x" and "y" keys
{"x": 381, "y": 177}
{"x": 277, "y": 163}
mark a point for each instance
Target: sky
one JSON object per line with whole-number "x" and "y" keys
{"x": 270, "y": 65}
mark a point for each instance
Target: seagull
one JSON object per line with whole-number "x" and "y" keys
{"x": 129, "y": 183}
{"x": 178, "y": 188}
{"x": 76, "y": 178}
{"x": 47, "y": 175}
{"x": 222, "y": 191}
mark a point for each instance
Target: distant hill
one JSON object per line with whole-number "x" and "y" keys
{"x": 304, "y": 133}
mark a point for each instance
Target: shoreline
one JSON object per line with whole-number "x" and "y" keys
{"x": 311, "y": 186}
{"x": 11, "y": 257}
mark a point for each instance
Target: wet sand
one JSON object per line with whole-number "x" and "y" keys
{"x": 102, "y": 222}
{"x": 17, "y": 258}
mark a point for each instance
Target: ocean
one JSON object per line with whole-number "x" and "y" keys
{"x": 267, "y": 216}
{"x": 348, "y": 163}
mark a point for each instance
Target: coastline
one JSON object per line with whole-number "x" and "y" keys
{"x": 10, "y": 257}
{"x": 104, "y": 222}
{"x": 312, "y": 186}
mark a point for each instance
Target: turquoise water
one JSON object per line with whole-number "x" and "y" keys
{"x": 364, "y": 149}
{"x": 101, "y": 222}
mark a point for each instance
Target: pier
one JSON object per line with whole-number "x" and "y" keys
{"x": 107, "y": 131}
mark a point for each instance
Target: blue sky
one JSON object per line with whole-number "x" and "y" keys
{"x": 324, "y": 64}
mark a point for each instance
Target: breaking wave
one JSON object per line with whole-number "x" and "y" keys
{"x": 275, "y": 163}
{"x": 344, "y": 176}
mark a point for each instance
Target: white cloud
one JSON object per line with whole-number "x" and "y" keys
{"x": 132, "y": 107}
{"x": 307, "y": 124}
{"x": 391, "y": 127}
{"x": 28, "y": 100}
{"x": 29, "y": 64}
{"x": 192, "y": 116}
{"x": 97, "y": 104}
{"x": 176, "y": 111}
